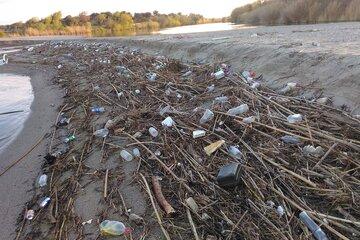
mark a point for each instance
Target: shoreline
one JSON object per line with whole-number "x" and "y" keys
{"x": 17, "y": 184}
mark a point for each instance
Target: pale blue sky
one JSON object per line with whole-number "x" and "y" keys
{"x": 20, "y": 10}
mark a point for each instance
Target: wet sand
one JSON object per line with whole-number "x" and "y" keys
{"x": 17, "y": 183}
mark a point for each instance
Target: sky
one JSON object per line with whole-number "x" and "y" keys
{"x": 21, "y": 10}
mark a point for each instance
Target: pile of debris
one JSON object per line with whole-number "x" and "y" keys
{"x": 220, "y": 156}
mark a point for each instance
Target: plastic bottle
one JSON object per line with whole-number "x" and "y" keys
{"x": 314, "y": 228}
{"x": 207, "y": 116}
{"x": 249, "y": 120}
{"x": 42, "y": 180}
{"x": 101, "y": 133}
{"x": 70, "y": 139}
{"x": 153, "y": 132}
{"x": 295, "y": 118}
{"x": 243, "y": 108}
{"x": 113, "y": 228}
{"x": 44, "y": 202}
{"x": 290, "y": 139}
{"x": 235, "y": 152}
{"x": 126, "y": 155}
{"x": 97, "y": 110}
{"x": 136, "y": 152}
{"x": 222, "y": 99}
{"x": 219, "y": 74}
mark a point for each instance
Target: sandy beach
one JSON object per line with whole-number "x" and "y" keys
{"x": 324, "y": 60}
{"x": 17, "y": 183}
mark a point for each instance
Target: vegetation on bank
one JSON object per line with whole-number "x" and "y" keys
{"x": 274, "y": 12}
{"x": 101, "y": 24}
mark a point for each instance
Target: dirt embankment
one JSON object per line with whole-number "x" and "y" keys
{"x": 323, "y": 56}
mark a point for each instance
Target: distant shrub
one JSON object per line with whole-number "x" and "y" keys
{"x": 274, "y": 12}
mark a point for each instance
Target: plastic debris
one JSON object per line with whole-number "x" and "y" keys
{"x": 290, "y": 139}
{"x": 289, "y": 87}
{"x": 222, "y": 99}
{"x": 153, "y": 132}
{"x": 311, "y": 150}
{"x": 42, "y": 180}
{"x": 168, "y": 122}
{"x": 109, "y": 124}
{"x": 29, "y": 215}
{"x": 44, "y": 202}
{"x": 151, "y": 76}
{"x": 63, "y": 121}
{"x": 97, "y": 110}
{"x": 59, "y": 66}
{"x": 323, "y": 100}
{"x": 101, "y": 133}
{"x": 210, "y": 88}
{"x": 4, "y": 60}
{"x": 213, "y": 147}
{"x": 295, "y": 118}
{"x": 280, "y": 211}
{"x": 207, "y": 116}
{"x": 255, "y": 85}
{"x": 70, "y": 139}
{"x": 198, "y": 133}
{"x": 187, "y": 74}
{"x": 229, "y": 175}
{"x": 314, "y": 228}
{"x": 136, "y": 152}
{"x": 87, "y": 222}
{"x": 249, "y": 120}
{"x": 126, "y": 155}
{"x": 192, "y": 204}
{"x": 219, "y": 74}
{"x": 113, "y": 228}
{"x": 235, "y": 152}
{"x": 243, "y": 108}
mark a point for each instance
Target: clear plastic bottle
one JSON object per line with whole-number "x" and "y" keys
{"x": 113, "y": 228}
{"x": 126, "y": 155}
{"x": 153, "y": 132}
{"x": 295, "y": 118}
{"x": 243, "y": 108}
{"x": 101, "y": 133}
{"x": 207, "y": 116}
{"x": 235, "y": 152}
{"x": 314, "y": 228}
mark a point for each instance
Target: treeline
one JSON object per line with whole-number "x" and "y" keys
{"x": 101, "y": 24}
{"x": 274, "y": 12}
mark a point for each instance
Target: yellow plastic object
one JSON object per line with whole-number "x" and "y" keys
{"x": 113, "y": 228}
{"x": 213, "y": 147}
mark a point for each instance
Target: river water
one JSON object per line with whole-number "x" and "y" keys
{"x": 16, "y": 96}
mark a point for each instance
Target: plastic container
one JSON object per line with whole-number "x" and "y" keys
{"x": 198, "y": 133}
{"x": 314, "y": 228}
{"x": 295, "y": 118}
{"x": 168, "y": 122}
{"x": 153, "y": 132}
{"x": 243, "y": 108}
{"x": 229, "y": 175}
{"x": 219, "y": 74}
{"x": 97, "y": 110}
{"x": 101, "y": 133}
{"x": 113, "y": 228}
{"x": 207, "y": 116}
{"x": 126, "y": 155}
{"x": 42, "y": 180}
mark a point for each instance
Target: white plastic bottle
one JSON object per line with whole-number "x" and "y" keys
{"x": 153, "y": 132}
{"x": 243, "y": 108}
{"x": 126, "y": 155}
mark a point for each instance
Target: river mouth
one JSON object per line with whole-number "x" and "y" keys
{"x": 16, "y": 96}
